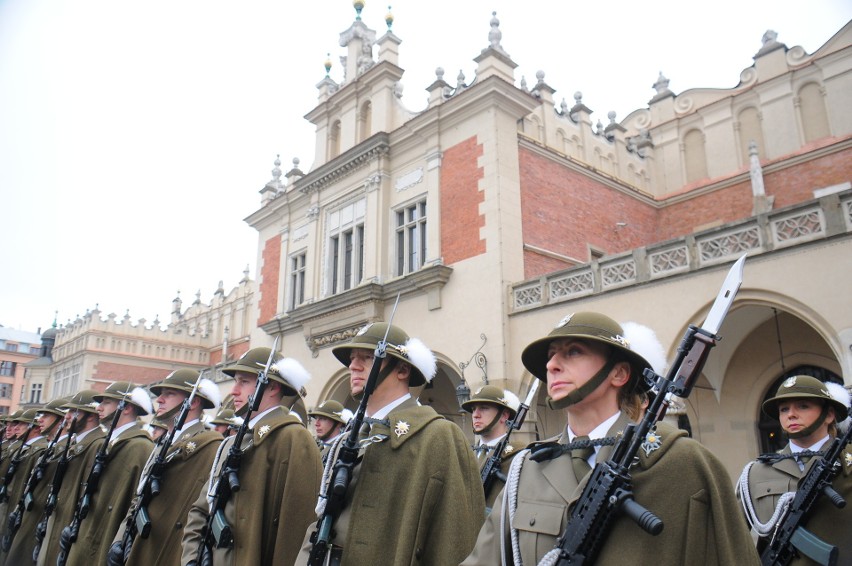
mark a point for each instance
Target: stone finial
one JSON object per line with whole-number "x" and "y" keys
{"x": 358, "y": 5}
{"x": 327, "y": 63}
{"x": 245, "y": 274}
{"x": 197, "y": 298}
{"x": 524, "y": 83}
{"x": 495, "y": 35}
{"x": 578, "y": 98}
{"x": 563, "y": 106}
{"x": 611, "y": 116}
{"x": 220, "y": 290}
{"x": 276, "y": 171}
{"x": 769, "y": 36}
{"x": 389, "y": 18}
{"x": 662, "y": 84}
{"x": 769, "y": 43}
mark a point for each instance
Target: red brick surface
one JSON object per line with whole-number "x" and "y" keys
{"x": 269, "y": 274}
{"x": 460, "y": 199}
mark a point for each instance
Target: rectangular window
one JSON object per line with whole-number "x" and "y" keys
{"x": 345, "y": 247}
{"x": 11, "y": 347}
{"x": 410, "y": 238}
{"x": 35, "y": 393}
{"x": 297, "y": 280}
{"x": 7, "y": 369}
{"x": 5, "y": 391}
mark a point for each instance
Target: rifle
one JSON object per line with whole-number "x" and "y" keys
{"x": 139, "y": 521}
{"x": 790, "y": 535}
{"x": 25, "y": 502}
{"x": 609, "y": 491}
{"x": 69, "y": 534}
{"x": 55, "y": 486}
{"x": 491, "y": 470}
{"x": 13, "y": 465}
{"x": 217, "y": 532}
{"x": 347, "y": 459}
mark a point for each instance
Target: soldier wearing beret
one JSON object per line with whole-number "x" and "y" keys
{"x": 491, "y": 408}
{"x": 127, "y": 452}
{"x": 808, "y": 414}
{"x": 592, "y": 367}
{"x": 416, "y": 496}
{"x": 84, "y": 445}
{"x": 50, "y": 420}
{"x": 279, "y": 472}
{"x": 329, "y": 419}
{"x": 187, "y": 467}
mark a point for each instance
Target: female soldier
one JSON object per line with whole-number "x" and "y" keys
{"x": 593, "y": 369}
{"x": 808, "y": 415}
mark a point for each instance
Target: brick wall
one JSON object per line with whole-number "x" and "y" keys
{"x": 270, "y": 272}
{"x": 460, "y": 199}
{"x": 564, "y": 211}
{"x": 111, "y": 371}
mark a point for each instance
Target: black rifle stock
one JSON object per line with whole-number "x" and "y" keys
{"x": 347, "y": 459}
{"x": 217, "y": 532}
{"x": 609, "y": 490}
{"x": 14, "y": 464}
{"x": 139, "y": 520}
{"x": 790, "y": 535}
{"x": 53, "y": 492}
{"x": 491, "y": 470}
{"x": 69, "y": 534}
{"x": 25, "y": 502}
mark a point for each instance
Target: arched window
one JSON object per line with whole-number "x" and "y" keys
{"x": 749, "y": 122}
{"x": 812, "y": 108}
{"x": 695, "y": 159}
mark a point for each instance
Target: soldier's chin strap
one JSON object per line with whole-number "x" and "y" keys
{"x": 493, "y": 422}
{"x": 383, "y": 373}
{"x": 811, "y": 428}
{"x": 170, "y": 414}
{"x": 584, "y": 390}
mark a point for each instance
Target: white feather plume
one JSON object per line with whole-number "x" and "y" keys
{"x": 421, "y": 357}
{"x": 512, "y": 400}
{"x": 141, "y": 398}
{"x": 292, "y": 372}
{"x": 346, "y": 415}
{"x": 644, "y": 342}
{"x": 841, "y": 394}
{"x": 209, "y": 390}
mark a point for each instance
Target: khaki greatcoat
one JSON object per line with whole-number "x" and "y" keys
{"x": 416, "y": 498}
{"x": 279, "y": 479}
{"x": 767, "y": 482}
{"x": 187, "y": 469}
{"x": 126, "y": 457}
{"x": 680, "y": 481}
{"x": 81, "y": 457}
{"x": 29, "y": 456}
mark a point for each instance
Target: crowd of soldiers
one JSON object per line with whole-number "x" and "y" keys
{"x": 83, "y": 481}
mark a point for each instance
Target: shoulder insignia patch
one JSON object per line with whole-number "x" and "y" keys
{"x": 401, "y": 428}
{"x": 848, "y": 459}
{"x": 190, "y": 447}
{"x": 651, "y": 443}
{"x": 509, "y": 449}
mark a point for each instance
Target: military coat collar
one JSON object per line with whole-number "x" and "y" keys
{"x": 405, "y": 422}
{"x": 276, "y": 418}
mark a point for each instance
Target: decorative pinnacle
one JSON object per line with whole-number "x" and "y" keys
{"x": 389, "y": 18}
{"x": 327, "y": 63}
{"x": 359, "y": 5}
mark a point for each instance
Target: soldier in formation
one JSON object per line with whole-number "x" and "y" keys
{"x": 491, "y": 408}
{"x": 809, "y": 415}
{"x": 416, "y": 497}
{"x": 279, "y": 473}
{"x": 17, "y": 541}
{"x": 185, "y": 467}
{"x": 593, "y": 370}
{"x": 329, "y": 419}
{"x": 87, "y": 539}
{"x": 226, "y": 422}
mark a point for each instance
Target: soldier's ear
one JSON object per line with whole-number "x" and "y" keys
{"x": 620, "y": 374}
{"x": 403, "y": 370}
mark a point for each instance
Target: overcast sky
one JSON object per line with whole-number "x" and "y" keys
{"x": 135, "y": 135}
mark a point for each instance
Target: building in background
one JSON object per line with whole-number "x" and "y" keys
{"x": 501, "y": 208}
{"x": 96, "y": 349}
{"x": 18, "y": 348}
